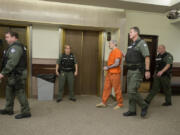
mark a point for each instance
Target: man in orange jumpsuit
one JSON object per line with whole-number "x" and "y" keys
{"x": 113, "y": 77}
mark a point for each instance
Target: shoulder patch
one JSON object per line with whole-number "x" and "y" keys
{"x": 13, "y": 50}
{"x": 145, "y": 45}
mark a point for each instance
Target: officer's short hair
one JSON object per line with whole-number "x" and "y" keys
{"x": 136, "y": 29}
{"x": 163, "y": 46}
{"x": 13, "y": 34}
{"x": 114, "y": 42}
{"x": 67, "y": 45}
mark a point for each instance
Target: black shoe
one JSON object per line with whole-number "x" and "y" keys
{"x": 4, "y": 112}
{"x": 144, "y": 111}
{"x": 73, "y": 99}
{"x": 129, "y": 114}
{"x": 147, "y": 102}
{"x": 21, "y": 116}
{"x": 58, "y": 100}
{"x": 166, "y": 104}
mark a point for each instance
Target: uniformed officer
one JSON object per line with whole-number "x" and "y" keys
{"x": 14, "y": 66}
{"x": 66, "y": 69}
{"x": 138, "y": 63}
{"x": 162, "y": 79}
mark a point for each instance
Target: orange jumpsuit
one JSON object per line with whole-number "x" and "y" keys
{"x": 113, "y": 78}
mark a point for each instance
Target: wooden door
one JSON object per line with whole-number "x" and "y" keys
{"x": 3, "y": 46}
{"x": 74, "y": 39}
{"x": 22, "y": 34}
{"x": 152, "y": 42}
{"x": 89, "y": 62}
{"x": 22, "y": 38}
{"x": 85, "y": 48}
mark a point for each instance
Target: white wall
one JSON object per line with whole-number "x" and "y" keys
{"x": 115, "y": 35}
{"x": 156, "y": 24}
{"x": 45, "y": 41}
{"x": 48, "y": 12}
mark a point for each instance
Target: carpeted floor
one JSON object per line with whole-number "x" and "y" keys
{"x": 83, "y": 118}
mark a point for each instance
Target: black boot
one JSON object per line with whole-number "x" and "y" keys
{"x": 144, "y": 111}
{"x": 166, "y": 104}
{"x": 58, "y": 100}
{"x": 21, "y": 116}
{"x": 4, "y": 112}
{"x": 128, "y": 113}
{"x": 147, "y": 102}
{"x": 73, "y": 99}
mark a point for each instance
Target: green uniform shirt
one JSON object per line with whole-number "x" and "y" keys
{"x": 14, "y": 54}
{"x": 59, "y": 60}
{"x": 168, "y": 59}
{"x": 143, "y": 48}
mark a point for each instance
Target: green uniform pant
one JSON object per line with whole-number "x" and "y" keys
{"x": 16, "y": 87}
{"x": 69, "y": 76}
{"x": 163, "y": 82}
{"x": 134, "y": 78}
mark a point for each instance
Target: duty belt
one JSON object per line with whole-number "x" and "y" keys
{"x": 133, "y": 67}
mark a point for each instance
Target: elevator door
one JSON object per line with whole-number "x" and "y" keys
{"x": 85, "y": 48}
{"x": 3, "y": 45}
